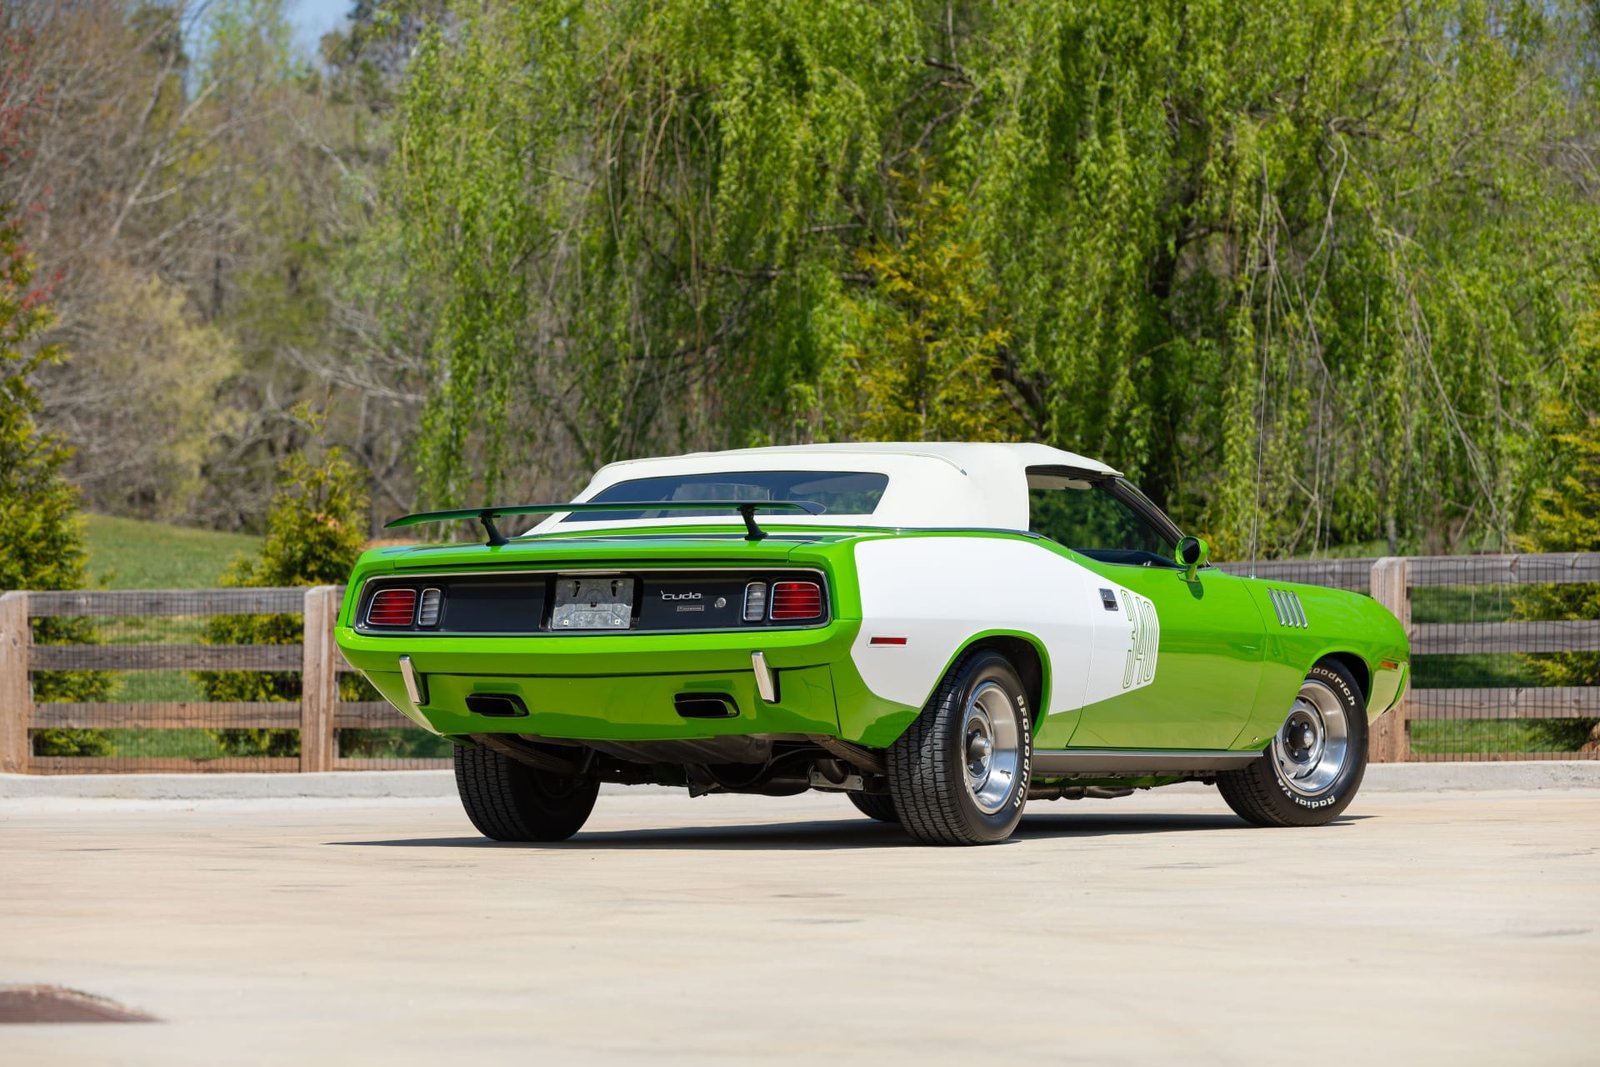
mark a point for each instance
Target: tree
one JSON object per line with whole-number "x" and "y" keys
{"x": 1566, "y": 518}
{"x": 41, "y": 535}
{"x": 315, "y": 530}
{"x": 923, "y": 361}
{"x": 1297, "y": 269}
{"x": 202, "y": 188}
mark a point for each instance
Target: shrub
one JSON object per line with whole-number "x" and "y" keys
{"x": 41, "y": 534}
{"x": 315, "y": 530}
{"x": 1566, "y": 518}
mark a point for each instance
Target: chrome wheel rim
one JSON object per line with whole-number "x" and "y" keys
{"x": 1313, "y": 745}
{"x": 990, "y": 747}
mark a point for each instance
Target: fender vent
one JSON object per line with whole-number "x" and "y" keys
{"x": 1287, "y": 605}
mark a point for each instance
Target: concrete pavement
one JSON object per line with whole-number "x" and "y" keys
{"x": 1458, "y": 928}
{"x": 1381, "y": 777}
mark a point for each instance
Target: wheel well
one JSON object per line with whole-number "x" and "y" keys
{"x": 1357, "y": 668}
{"x": 1025, "y": 658}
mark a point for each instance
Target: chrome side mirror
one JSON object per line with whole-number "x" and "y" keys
{"x": 1192, "y": 555}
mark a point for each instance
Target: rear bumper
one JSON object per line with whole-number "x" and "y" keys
{"x": 612, "y": 687}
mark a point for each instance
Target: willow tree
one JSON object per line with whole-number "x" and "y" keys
{"x": 1296, "y": 269}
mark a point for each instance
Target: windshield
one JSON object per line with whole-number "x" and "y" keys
{"x": 839, "y": 492}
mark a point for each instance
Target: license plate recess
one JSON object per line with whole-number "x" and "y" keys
{"x": 593, "y": 604}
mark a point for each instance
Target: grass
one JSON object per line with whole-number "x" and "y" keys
{"x": 131, "y": 554}
{"x": 1488, "y": 736}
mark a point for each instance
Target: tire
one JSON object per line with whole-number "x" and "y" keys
{"x": 878, "y": 806}
{"x": 943, "y": 790}
{"x": 1312, "y": 769}
{"x": 510, "y": 801}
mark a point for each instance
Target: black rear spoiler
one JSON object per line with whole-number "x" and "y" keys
{"x": 746, "y": 508}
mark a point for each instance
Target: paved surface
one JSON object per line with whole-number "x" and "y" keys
{"x": 1381, "y": 777}
{"x": 1421, "y": 928}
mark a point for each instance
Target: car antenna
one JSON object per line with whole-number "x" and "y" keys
{"x": 1261, "y": 444}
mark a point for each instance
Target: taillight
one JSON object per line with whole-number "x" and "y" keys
{"x": 428, "y": 611}
{"x": 392, "y": 607}
{"x": 796, "y": 600}
{"x": 755, "y": 602}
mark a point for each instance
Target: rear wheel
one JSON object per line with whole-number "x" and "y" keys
{"x": 878, "y": 806}
{"x": 510, "y": 801}
{"x": 1312, "y": 769}
{"x": 959, "y": 774}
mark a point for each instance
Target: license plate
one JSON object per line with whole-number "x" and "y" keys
{"x": 592, "y": 604}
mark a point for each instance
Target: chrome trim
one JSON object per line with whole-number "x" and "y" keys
{"x": 408, "y": 674}
{"x": 766, "y": 679}
{"x": 1290, "y": 611}
{"x": 1125, "y": 762}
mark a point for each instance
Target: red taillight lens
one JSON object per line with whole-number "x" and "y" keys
{"x": 392, "y": 607}
{"x": 796, "y": 600}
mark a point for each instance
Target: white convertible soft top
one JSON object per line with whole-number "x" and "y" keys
{"x": 931, "y": 484}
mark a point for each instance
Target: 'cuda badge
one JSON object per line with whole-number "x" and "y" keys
{"x": 679, "y": 596}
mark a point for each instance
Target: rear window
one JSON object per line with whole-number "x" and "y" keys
{"x": 839, "y": 492}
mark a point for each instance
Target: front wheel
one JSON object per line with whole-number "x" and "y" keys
{"x": 959, "y": 774}
{"x": 510, "y": 801}
{"x": 1312, "y": 769}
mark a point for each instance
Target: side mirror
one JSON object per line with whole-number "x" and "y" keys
{"x": 1192, "y": 555}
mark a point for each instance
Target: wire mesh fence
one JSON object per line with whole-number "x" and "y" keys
{"x": 190, "y": 680}
{"x": 1505, "y": 666}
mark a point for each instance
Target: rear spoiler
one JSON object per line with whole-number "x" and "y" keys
{"x": 746, "y": 508}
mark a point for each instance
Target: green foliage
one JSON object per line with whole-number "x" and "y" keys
{"x": 41, "y": 535}
{"x": 924, "y": 364}
{"x": 315, "y": 531}
{"x": 1566, "y": 516}
{"x": 141, "y": 448}
{"x": 1297, "y": 268}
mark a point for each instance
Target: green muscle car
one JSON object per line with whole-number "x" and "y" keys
{"x": 940, "y": 631}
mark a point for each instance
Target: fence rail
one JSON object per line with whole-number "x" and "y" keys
{"x": 320, "y": 713}
{"x": 316, "y": 717}
{"x": 1393, "y": 580}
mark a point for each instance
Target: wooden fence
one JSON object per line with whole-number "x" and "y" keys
{"x": 1391, "y": 581}
{"x": 320, "y": 712}
{"x": 317, "y": 716}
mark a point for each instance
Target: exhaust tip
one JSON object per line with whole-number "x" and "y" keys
{"x": 705, "y": 705}
{"x": 497, "y": 705}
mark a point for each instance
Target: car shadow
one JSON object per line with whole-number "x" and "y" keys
{"x": 1100, "y": 824}
{"x": 830, "y": 834}
{"x": 779, "y": 836}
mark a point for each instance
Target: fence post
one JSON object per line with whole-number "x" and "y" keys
{"x": 1391, "y": 587}
{"x": 319, "y": 679}
{"x": 16, "y": 696}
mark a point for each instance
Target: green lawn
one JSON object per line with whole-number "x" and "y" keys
{"x": 130, "y": 554}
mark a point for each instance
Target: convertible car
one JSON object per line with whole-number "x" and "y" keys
{"x": 942, "y": 632}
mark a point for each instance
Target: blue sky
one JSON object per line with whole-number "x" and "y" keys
{"x": 313, "y": 18}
